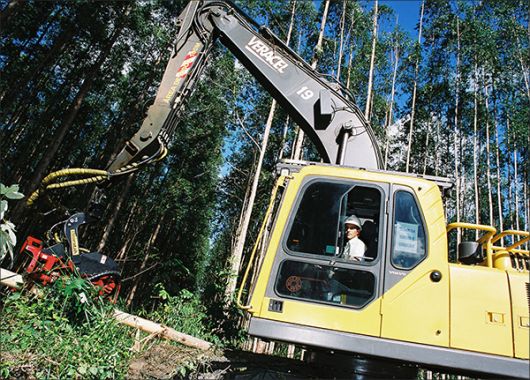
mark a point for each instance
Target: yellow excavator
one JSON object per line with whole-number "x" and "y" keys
{"x": 401, "y": 298}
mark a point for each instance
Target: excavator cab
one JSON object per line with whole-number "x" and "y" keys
{"x": 403, "y": 300}
{"x": 308, "y": 292}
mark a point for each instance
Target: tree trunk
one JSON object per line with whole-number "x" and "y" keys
{"x": 350, "y": 60}
{"x": 524, "y": 69}
{"x": 437, "y": 148}
{"x": 488, "y": 163}
{"x": 115, "y": 211}
{"x": 426, "y": 149}
{"x": 341, "y": 43}
{"x": 475, "y": 149}
{"x": 73, "y": 110}
{"x": 456, "y": 130}
{"x": 516, "y": 188}
{"x": 237, "y": 254}
{"x": 497, "y": 162}
{"x": 284, "y": 137}
{"x": 372, "y": 64}
{"x": 124, "y": 250}
{"x": 390, "y": 117}
{"x": 526, "y": 202}
{"x": 147, "y": 249}
{"x": 297, "y": 149}
{"x": 352, "y": 45}
{"x": 412, "y": 112}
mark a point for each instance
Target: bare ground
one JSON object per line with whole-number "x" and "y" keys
{"x": 164, "y": 361}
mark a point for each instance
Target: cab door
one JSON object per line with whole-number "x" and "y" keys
{"x": 415, "y": 303}
{"x": 310, "y": 282}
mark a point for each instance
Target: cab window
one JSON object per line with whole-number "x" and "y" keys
{"x": 315, "y": 225}
{"x": 318, "y": 227}
{"x": 409, "y": 242}
{"x": 326, "y": 284}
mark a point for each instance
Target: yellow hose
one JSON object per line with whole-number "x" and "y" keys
{"x": 48, "y": 182}
{"x": 70, "y": 172}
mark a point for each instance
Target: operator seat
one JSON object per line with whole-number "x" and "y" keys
{"x": 369, "y": 237}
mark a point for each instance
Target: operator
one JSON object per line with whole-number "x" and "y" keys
{"x": 355, "y": 248}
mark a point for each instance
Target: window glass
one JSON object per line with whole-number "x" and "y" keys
{"x": 408, "y": 243}
{"x": 325, "y": 283}
{"x": 319, "y": 226}
{"x": 314, "y": 229}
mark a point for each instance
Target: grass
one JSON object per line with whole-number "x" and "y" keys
{"x": 68, "y": 332}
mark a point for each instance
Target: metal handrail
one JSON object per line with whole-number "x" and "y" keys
{"x": 485, "y": 240}
{"x": 525, "y": 237}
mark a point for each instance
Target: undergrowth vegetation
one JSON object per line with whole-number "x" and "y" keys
{"x": 63, "y": 332}
{"x": 185, "y": 313}
{"x": 66, "y": 331}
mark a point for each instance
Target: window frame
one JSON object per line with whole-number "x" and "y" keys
{"x": 340, "y": 181}
{"x": 409, "y": 191}
{"x": 374, "y": 295}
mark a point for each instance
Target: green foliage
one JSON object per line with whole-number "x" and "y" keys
{"x": 186, "y": 313}
{"x": 8, "y": 239}
{"x": 65, "y": 332}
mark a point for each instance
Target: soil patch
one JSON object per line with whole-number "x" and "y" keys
{"x": 164, "y": 361}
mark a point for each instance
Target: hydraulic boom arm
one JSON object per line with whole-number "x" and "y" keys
{"x": 333, "y": 123}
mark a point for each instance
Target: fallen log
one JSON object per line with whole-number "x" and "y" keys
{"x": 163, "y": 331}
{"x": 16, "y": 281}
{"x": 11, "y": 279}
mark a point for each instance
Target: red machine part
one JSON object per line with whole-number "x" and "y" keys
{"x": 108, "y": 288}
{"x": 46, "y": 268}
{"x": 43, "y": 267}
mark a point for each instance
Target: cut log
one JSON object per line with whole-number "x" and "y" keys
{"x": 11, "y": 279}
{"x": 14, "y": 280}
{"x": 164, "y": 331}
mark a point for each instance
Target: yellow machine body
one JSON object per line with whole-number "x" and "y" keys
{"x": 417, "y": 305}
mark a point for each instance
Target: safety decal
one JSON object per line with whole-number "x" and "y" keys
{"x": 186, "y": 65}
{"x": 183, "y": 70}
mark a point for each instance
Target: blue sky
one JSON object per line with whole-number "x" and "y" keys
{"x": 408, "y": 12}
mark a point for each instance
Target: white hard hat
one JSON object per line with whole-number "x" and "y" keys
{"x": 352, "y": 219}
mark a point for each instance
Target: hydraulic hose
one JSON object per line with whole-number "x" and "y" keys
{"x": 50, "y": 181}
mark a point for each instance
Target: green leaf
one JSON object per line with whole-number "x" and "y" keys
{"x": 11, "y": 192}
{"x": 3, "y": 244}
{"x": 93, "y": 370}
{"x": 9, "y": 229}
{"x": 82, "y": 369}
{"x": 14, "y": 195}
{"x": 8, "y": 189}
{"x": 15, "y": 296}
